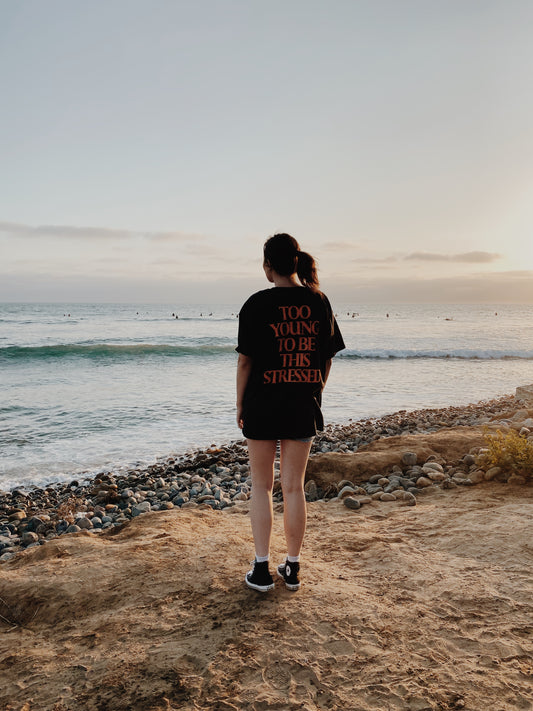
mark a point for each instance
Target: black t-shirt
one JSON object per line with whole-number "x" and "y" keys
{"x": 290, "y": 333}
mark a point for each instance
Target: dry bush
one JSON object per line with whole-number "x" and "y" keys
{"x": 512, "y": 452}
{"x": 68, "y": 508}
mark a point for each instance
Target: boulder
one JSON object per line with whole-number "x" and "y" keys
{"x": 524, "y": 393}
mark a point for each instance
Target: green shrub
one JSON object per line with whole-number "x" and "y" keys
{"x": 512, "y": 452}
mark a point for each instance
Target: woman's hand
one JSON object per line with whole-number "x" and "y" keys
{"x": 244, "y": 368}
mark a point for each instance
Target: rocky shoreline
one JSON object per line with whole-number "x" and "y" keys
{"x": 219, "y": 478}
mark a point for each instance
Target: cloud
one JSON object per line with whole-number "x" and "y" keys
{"x": 501, "y": 287}
{"x": 92, "y": 233}
{"x": 173, "y": 236}
{"x": 509, "y": 287}
{"x": 340, "y": 246}
{"x": 377, "y": 260}
{"x": 465, "y": 258}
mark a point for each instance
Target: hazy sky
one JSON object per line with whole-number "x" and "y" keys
{"x": 147, "y": 148}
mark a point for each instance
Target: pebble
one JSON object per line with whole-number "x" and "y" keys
{"x": 29, "y": 537}
{"x": 142, "y": 507}
{"x": 219, "y": 478}
{"x": 492, "y": 473}
{"x": 432, "y": 466}
{"x": 84, "y": 523}
{"x": 436, "y": 475}
{"x": 516, "y": 479}
{"x": 423, "y": 481}
{"x": 448, "y": 484}
{"x": 387, "y": 497}
{"x": 477, "y": 476}
{"x": 346, "y": 491}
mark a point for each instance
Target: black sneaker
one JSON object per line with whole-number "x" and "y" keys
{"x": 289, "y": 572}
{"x": 259, "y": 578}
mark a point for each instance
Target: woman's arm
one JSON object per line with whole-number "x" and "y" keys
{"x": 244, "y": 368}
{"x": 326, "y": 370}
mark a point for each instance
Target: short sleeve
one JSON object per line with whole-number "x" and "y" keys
{"x": 247, "y": 323}
{"x": 334, "y": 341}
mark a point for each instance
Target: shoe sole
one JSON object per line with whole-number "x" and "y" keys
{"x": 259, "y": 588}
{"x": 290, "y": 586}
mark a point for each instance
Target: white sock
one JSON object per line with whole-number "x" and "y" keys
{"x": 293, "y": 558}
{"x": 262, "y": 558}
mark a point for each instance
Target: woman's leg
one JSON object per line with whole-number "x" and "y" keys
{"x": 293, "y": 461}
{"x": 262, "y": 453}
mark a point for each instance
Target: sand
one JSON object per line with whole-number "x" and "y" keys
{"x": 426, "y": 607}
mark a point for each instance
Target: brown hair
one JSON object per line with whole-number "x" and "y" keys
{"x": 282, "y": 253}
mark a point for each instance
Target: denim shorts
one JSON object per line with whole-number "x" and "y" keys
{"x": 303, "y": 439}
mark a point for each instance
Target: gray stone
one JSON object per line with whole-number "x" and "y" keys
{"x": 436, "y": 476}
{"x": 84, "y": 523}
{"x": 373, "y": 489}
{"x": 34, "y": 523}
{"x": 29, "y": 537}
{"x": 516, "y": 479}
{"x": 393, "y": 486}
{"x": 492, "y": 473}
{"x": 73, "y": 528}
{"x": 387, "y": 497}
{"x": 520, "y": 416}
{"x": 6, "y": 556}
{"x": 240, "y": 496}
{"x": 477, "y": 476}
{"x": 423, "y": 481}
{"x": 346, "y": 491}
{"x": 141, "y": 508}
{"x": 524, "y": 393}
{"x": 469, "y": 459}
{"x": 351, "y": 503}
{"x": 190, "y": 505}
{"x": 410, "y": 499}
{"x": 448, "y": 484}
{"x": 432, "y": 466}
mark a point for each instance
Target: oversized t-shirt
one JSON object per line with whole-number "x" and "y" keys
{"x": 290, "y": 333}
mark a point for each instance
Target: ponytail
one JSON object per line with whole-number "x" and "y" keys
{"x": 282, "y": 253}
{"x": 306, "y": 270}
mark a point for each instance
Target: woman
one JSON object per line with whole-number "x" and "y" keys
{"x": 287, "y": 338}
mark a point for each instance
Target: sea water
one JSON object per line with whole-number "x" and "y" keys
{"x": 91, "y": 387}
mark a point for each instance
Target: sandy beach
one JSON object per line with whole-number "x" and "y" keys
{"x": 408, "y": 607}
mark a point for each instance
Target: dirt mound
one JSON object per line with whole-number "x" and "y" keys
{"x": 379, "y": 456}
{"x": 425, "y": 607}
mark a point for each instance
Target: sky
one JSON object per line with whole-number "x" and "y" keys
{"x": 149, "y": 147}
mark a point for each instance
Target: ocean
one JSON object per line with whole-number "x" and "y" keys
{"x": 91, "y": 387}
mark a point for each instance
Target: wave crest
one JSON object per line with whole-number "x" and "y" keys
{"x": 110, "y": 350}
